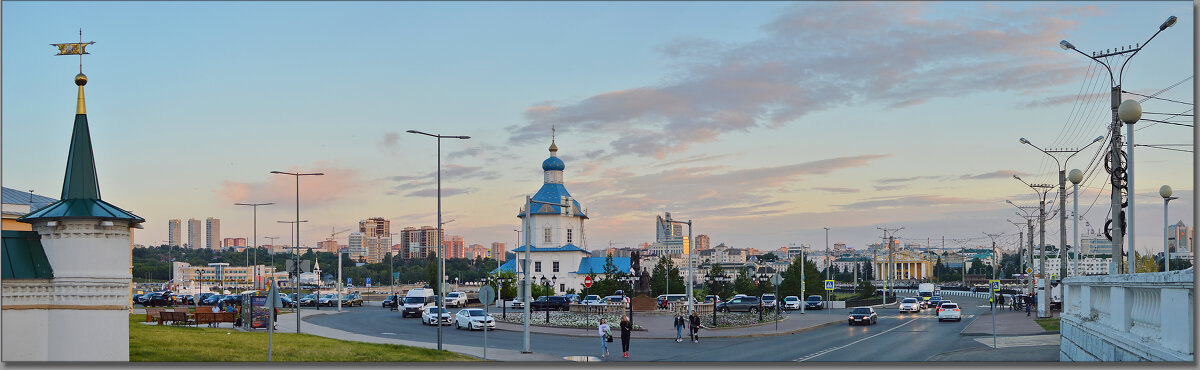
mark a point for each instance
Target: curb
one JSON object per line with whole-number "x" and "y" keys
{"x": 1008, "y": 335}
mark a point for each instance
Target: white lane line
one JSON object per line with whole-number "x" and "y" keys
{"x": 387, "y": 333}
{"x": 809, "y": 357}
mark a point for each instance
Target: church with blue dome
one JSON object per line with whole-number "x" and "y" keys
{"x": 555, "y": 236}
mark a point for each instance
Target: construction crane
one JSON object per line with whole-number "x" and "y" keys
{"x": 333, "y": 234}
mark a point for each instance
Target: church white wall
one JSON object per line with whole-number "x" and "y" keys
{"x": 83, "y": 248}
{"x": 25, "y": 337}
{"x": 88, "y": 335}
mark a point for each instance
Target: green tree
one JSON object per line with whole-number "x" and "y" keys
{"x": 431, "y": 275}
{"x": 659, "y": 284}
{"x": 866, "y": 288}
{"x": 720, "y": 288}
{"x": 744, "y": 283}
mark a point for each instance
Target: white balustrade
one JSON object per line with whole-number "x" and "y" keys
{"x": 1129, "y": 317}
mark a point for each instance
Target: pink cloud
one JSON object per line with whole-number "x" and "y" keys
{"x": 314, "y": 190}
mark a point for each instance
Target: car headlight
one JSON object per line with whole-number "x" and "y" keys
{"x": 851, "y": 316}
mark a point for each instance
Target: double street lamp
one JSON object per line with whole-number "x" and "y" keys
{"x": 1128, "y": 112}
{"x": 714, "y": 279}
{"x": 1062, "y": 196}
{"x": 297, "y": 244}
{"x": 255, "y": 266}
{"x": 441, "y": 249}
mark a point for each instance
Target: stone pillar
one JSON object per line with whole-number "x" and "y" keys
{"x": 1119, "y": 308}
{"x": 1176, "y": 306}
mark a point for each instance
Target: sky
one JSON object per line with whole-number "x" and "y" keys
{"x": 763, "y": 122}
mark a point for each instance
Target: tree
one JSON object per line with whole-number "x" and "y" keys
{"x": 866, "y": 288}
{"x": 611, "y": 282}
{"x": 720, "y": 288}
{"x": 768, "y": 257}
{"x": 744, "y": 283}
{"x": 659, "y": 285}
{"x": 431, "y": 275}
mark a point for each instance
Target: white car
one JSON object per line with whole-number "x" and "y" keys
{"x": 474, "y": 318}
{"x": 791, "y": 302}
{"x": 591, "y": 300}
{"x": 949, "y": 311}
{"x": 768, "y": 300}
{"x": 910, "y": 305}
{"x": 456, "y": 299}
{"x": 429, "y": 316}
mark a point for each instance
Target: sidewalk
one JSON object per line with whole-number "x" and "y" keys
{"x": 661, "y": 326}
{"x": 287, "y": 324}
{"x": 1008, "y": 323}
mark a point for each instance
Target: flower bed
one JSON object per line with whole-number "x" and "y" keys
{"x": 565, "y": 320}
{"x": 735, "y": 319}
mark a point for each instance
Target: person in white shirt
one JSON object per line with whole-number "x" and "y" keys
{"x": 605, "y": 332}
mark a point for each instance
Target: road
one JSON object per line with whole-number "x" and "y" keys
{"x": 896, "y": 337}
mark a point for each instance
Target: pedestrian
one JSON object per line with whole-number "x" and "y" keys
{"x": 626, "y": 331}
{"x": 679, "y": 322}
{"x": 215, "y": 310}
{"x": 605, "y": 334}
{"x": 1028, "y": 304}
{"x": 695, "y": 324}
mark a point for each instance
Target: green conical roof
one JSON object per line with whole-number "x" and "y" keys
{"x": 81, "y": 188}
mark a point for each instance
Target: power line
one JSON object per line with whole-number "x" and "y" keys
{"x": 1154, "y": 97}
{"x": 1166, "y": 122}
{"x": 1163, "y": 148}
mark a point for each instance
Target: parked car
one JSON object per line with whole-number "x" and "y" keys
{"x": 741, "y": 304}
{"x": 814, "y": 302}
{"x": 232, "y": 299}
{"x": 430, "y": 316}
{"x": 910, "y": 305}
{"x": 474, "y": 318}
{"x": 328, "y": 300}
{"x": 352, "y": 299}
{"x": 863, "y": 315}
{"x": 664, "y": 299}
{"x": 310, "y": 300}
{"x": 456, "y": 299}
{"x": 768, "y": 300}
{"x": 163, "y": 298}
{"x": 202, "y": 296}
{"x": 791, "y": 302}
{"x": 573, "y": 298}
{"x": 949, "y": 311}
{"x": 591, "y": 300}
{"x": 613, "y": 299}
{"x": 212, "y": 299}
{"x": 286, "y": 300}
{"x": 551, "y": 303}
{"x": 712, "y": 298}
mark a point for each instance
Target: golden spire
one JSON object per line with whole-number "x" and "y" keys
{"x": 80, "y": 79}
{"x": 553, "y": 148}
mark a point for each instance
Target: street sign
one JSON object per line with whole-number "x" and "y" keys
{"x": 776, "y": 279}
{"x": 304, "y": 266}
{"x": 587, "y": 282}
{"x": 368, "y": 281}
{"x": 487, "y": 295}
{"x": 1029, "y": 270}
{"x": 395, "y": 276}
{"x": 349, "y": 281}
{"x": 828, "y": 284}
{"x": 995, "y": 284}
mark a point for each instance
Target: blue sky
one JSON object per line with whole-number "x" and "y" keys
{"x": 763, "y": 121}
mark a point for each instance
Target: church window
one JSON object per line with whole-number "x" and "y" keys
{"x": 537, "y": 266}
{"x": 569, "y": 232}
{"x": 555, "y": 266}
{"x": 547, "y": 232}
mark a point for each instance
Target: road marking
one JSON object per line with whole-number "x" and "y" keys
{"x": 809, "y": 357}
{"x": 388, "y": 333}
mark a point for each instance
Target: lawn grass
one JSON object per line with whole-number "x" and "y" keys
{"x": 1048, "y": 324}
{"x": 153, "y": 343}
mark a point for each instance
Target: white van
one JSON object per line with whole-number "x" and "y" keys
{"x": 416, "y": 301}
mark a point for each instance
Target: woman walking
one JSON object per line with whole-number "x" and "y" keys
{"x": 679, "y": 323}
{"x": 605, "y": 333}
{"x": 695, "y": 322}
{"x": 626, "y": 330}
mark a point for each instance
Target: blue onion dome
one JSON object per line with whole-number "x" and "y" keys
{"x": 553, "y": 164}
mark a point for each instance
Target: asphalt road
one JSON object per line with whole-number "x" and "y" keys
{"x": 896, "y": 337}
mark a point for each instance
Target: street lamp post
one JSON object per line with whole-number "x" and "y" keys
{"x": 441, "y": 252}
{"x": 689, "y": 254}
{"x": 525, "y": 296}
{"x": 296, "y": 264}
{"x": 297, "y": 244}
{"x": 1118, "y": 173}
{"x": 1165, "y": 192}
{"x": 255, "y": 206}
{"x": 1041, "y": 190}
{"x": 1076, "y": 176}
{"x": 889, "y": 276}
{"x": 1062, "y": 198}
{"x": 827, "y": 265}
{"x": 1028, "y": 215}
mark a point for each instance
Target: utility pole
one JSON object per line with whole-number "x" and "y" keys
{"x": 891, "y": 267}
{"x": 994, "y": 262}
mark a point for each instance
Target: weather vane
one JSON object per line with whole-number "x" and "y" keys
{"x": 74, "y": 48}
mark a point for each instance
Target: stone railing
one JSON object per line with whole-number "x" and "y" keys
{"x": 1138, "y": 317}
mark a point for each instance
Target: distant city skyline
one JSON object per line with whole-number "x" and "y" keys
{"x": 760, "y": 122}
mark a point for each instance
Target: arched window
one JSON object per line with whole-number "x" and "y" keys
{"x": 547, "y": 232}
{"x": 569, "y": 235}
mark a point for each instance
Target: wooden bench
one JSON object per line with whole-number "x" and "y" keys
{"x": 174, "y": 317}
{"x": 152, "y": 314}
{"x": 215, "y": 317}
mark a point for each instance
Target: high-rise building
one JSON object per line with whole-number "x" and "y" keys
{"x": 195, "y": 241}
{"x": 454, "y": 247}
{"x": 418, "y": 242}
{"x": 358, "y": 249}
{"x": 476, "y": 251}
{"x": 498, "y": 251}
{"x": 174, "y": 232}
{"x": 234, "y": 242}
{"x": 375, "y": 238}
{"x": 1095, "y": 245}
{"x": 669, "y": 238}
{"x": 328, "y": 246}
{"x": 212, "y": 233}
{"x": 1179, "y": 238}
{"x": 702, "y": 242}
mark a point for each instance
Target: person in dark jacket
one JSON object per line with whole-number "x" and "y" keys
{"x": 679, "y": 324}
{"x": 626, "y": 331}
{"x": 695, "y": 324}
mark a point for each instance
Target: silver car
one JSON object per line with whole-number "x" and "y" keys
{"x": 910, "y": 305}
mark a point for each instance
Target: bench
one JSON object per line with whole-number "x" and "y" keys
{"x": 215, "y": 317}
{"x": 152, "y": 314}
{"x": 174, "y": 317}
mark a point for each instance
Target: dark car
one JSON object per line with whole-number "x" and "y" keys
{"x": 184, "y": 299}
{"x": 863, "y": 315}
{"x": 212, "y": 300}
{"x": 232, "y": 299}
{"x": 286, "y": 301}
{"x": 814, "y": 302}
{"x": 741, "y": 304}
{"x": 142, "y": 299}
{"x": 202, "y": 296}
{"x": 166, "y": 298}
{"x": 933, "y": 301}
{"x": 551, "y": 303}
{"x": 391, "y": 301}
